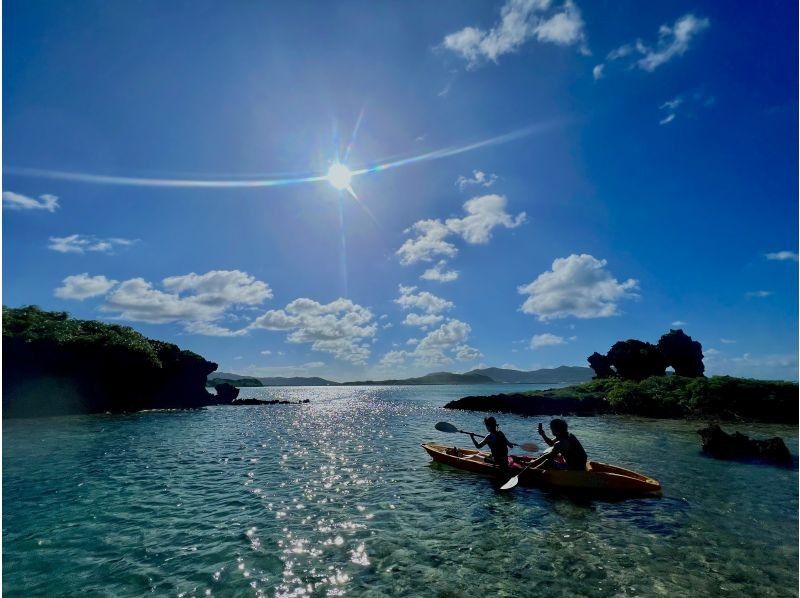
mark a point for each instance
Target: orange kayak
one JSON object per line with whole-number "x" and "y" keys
{"x": 598, "y": 477}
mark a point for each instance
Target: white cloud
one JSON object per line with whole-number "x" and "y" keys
{"x": 678, "y": 323}
{"x": 478, "y": 178}
{"x": 83, "y": 243}
{"x": 577, "y": 285}
{"x": 393, "y": 359}
{"x": 425, "y": 301}
{"x": 597, "y": 71}
{"x": 339, "y": 327}
{"x": 520, "y": 21}
{"x": 782, "y": 256}
{"x": 83, "y": 286}
{"x": 672, "y": 41}
{"x": 546, "y": 340}
{"x": 467, "y": 353}
{"x": 439, "y": 274}
{"x": 667, "y": 119}
{"x": 672, "y": 104}
{"x": 192, "y": 299}
{"x": 758, "y": 294}
{"x": 428, "y": 243}
{"x": 387, "y": 325}
{"x": 423, "y": 321}
{"x": 772, "y": 366}
{"x": 266, "y": 352}
{"x": 484, "y": 213}
{"x": 727, "y": 341}
{"x": 17, "y": 201}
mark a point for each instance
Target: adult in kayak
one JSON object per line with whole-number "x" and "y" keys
{"x": 497, "y": 441}
{"x": 565, "y": 445}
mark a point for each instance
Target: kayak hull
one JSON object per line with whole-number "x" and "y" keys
{"x": 598, "y": 477}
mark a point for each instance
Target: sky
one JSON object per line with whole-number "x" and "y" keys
{"x": 532, "y": 180}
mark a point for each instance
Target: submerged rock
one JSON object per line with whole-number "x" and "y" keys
{"x": 532, "y": 404}
{"x": 721, "y": 445}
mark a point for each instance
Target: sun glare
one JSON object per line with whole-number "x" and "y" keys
{"x": 339, "y": 176}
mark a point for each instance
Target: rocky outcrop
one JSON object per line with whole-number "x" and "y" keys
{"x": 532, "y": 405}
{"x": 226, "y": 393}
{"x": 721, "y": 445}
{"x": 269, "y": 402}
{"x": 56, "y": 365}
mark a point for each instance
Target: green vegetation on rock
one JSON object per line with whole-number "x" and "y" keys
{"x": 54, "y": 365}
{"x": 238, "y": 383}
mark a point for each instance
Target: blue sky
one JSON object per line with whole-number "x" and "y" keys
{"x": 640, "y": 174}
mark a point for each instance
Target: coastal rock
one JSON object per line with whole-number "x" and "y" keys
{"x": 269, "y": 402}
{"x": 226, "y": 393}
{"x": 721, "y": 445}
{"x": 532, "y": 405}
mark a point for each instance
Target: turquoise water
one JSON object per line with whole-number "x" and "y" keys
{"x": 337, "y": 498}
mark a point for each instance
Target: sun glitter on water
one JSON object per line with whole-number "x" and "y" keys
{"x": 339, "y": 176}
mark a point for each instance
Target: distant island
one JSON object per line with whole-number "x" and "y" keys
{"x": 632, "y": 379}
{"x": 559, "y": 375}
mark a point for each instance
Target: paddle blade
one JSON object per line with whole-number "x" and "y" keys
{"x": 510, "y": 483}
{"x": 529, "y": 447}
{"x": 446, "y": 427}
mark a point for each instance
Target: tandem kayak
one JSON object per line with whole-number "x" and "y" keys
{"x": 598, "y": 477}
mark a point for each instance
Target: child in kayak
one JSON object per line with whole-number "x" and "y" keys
{"x": 497, "y": 441}
{"x": 564, "y": 445}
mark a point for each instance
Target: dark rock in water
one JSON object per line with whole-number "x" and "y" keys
{"x": 719, "y": 444}
{"x": 56, "y": 365}
{"x": 532, "y": 405}
{"x": 270, "y": 402}
{"x": 226, "y": 393}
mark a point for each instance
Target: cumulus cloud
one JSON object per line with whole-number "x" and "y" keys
{"x": 782, "y": 256}
{"x": 520, "y": 21}
{"x": 478, "y": 178}
{"x": 483, "y": 214}
{"x": 338, "y": 328}
{"x": 439, "y": 347}
{"x": 428, "y": 243}
{"x": 597, "y": 71}
{"x": 189, "y": 298}
{"x": 439, "y": 274}
{"x": 425, "y": 301}
{"x": 546, "y": 340}
{"x": 678, "y": 323}
{"x": 17, "y": 201}
{"x": 83, "y": 286}
{"x": 83, "y": 243}
{"x": 422, "y": 321}
{"x": 673, "y": 41}
{"x": 579, "y": 286}
{"x": 757, "y": 294}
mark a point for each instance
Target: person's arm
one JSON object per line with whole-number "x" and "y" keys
{"x": 482, "y": 442}
{"x": 544, "y": 436}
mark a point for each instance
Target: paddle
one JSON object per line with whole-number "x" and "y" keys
{"x": 535, "y": 463}
{"x": 528, "y": 447}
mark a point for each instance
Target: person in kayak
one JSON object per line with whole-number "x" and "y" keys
{"x": 497, "y": 441}
{"x": 564, "y": 445}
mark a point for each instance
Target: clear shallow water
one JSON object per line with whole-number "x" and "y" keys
{"x": 337, "y": 498}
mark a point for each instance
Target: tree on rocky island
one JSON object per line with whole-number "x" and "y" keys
{"x": 636, "y": 360}
{"x": 682, "y": 353}
{"x": 601, "y": 365}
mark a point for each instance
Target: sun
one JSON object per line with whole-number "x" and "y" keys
{"x": 339, "y": 176}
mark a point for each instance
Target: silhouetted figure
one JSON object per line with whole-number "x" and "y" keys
{"x": 497, "y": 441}
{"x": 564, "y": 445}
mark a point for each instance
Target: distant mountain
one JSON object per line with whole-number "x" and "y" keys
{"x": 238, "y": 382}
{"x": 562, "y": 374}
{"x": 297, "y": 381}
{"x": 432, "y": 378}
{"x": 275, "y": 381}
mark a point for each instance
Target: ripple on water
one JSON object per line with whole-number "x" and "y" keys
{"x": 336, "y": 497}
